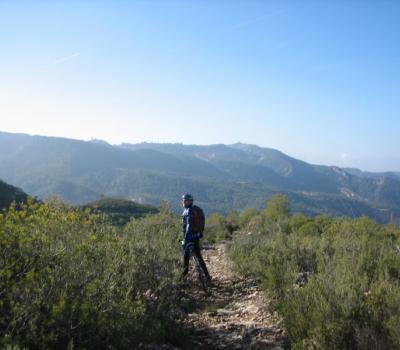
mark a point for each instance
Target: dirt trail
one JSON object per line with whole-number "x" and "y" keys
{"x": 235, "y": 315}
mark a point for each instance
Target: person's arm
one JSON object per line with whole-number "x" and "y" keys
{"x": 189, "y": 223}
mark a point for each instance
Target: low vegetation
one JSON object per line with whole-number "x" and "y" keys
{"x": 70, "y": 280}
{"x": 73, "y": 278}
{"x": 336, "y": 282}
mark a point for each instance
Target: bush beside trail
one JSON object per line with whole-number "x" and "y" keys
{"x": 336, "y": 282}
{"x": 70, "y": 280}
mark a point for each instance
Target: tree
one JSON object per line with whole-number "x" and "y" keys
{"x": 278, "y": 206}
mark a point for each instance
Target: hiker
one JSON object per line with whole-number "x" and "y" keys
{"x": 192, "y": 226}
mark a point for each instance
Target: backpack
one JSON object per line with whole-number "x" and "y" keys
{"x": 199, "y": 220}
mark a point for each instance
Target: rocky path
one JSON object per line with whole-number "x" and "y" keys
{"x": 235, "y": 314}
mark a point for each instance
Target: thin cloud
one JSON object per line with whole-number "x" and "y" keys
{"x": 259, "y": 19}
{"x": 67, "y": 58}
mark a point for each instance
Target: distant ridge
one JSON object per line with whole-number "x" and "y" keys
{"x": 222, "y": 177}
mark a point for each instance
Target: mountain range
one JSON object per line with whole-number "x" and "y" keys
{"x": 221, "y": 177}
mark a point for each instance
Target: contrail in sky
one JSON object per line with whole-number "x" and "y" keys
{"x": 67, "y": 58}
{"x": 260, "y": 18}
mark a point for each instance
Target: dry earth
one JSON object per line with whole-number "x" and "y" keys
{"x": 235, "y": 314}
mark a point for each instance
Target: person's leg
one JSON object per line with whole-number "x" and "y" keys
{"x": 196, "y": 250}
{"x": 186, "y": 256}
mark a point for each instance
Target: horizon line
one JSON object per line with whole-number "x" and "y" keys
{"x": 94, "y": 139}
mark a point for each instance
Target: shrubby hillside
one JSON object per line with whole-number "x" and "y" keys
{"x": 336, "y": 282}
{"x": 89, "y": 278}
{"x": 71, "y": 280}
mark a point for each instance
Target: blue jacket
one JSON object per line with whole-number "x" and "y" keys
{"x": 187, "y": 225}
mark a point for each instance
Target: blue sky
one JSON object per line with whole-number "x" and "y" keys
{"x": 319, "y": 80}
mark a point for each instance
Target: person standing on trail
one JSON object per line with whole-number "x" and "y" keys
{"x": 192, "y": 227}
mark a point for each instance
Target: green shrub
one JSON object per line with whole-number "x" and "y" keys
{"x": 216, "y": 228}
{"x": 70, "y": 280}
{"x": 277, "y": 207}
{"x": 246, "y": 216}
{"x": 337, "y": 281}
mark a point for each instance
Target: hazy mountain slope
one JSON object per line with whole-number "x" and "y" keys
{"x": 222, "y": 177}
{"x": 252, "y": 163}
{"x": 46, "y": 165}
{"x": 209, "y": 153}
{"x": 371, "y": 175}
{"x": 269, "y": 166}
{"x": 73, "y": 158}
{"x": 9, "y": 193}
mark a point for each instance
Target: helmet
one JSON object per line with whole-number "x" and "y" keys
{"x": 187, "y": 197}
